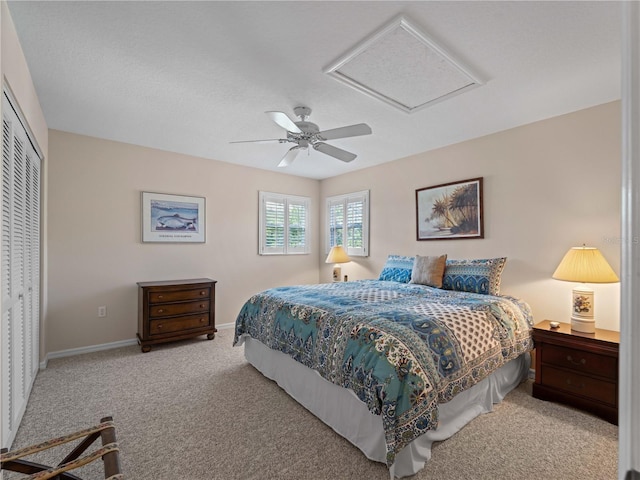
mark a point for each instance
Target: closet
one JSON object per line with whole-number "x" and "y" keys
{"x": 19, "y": 267}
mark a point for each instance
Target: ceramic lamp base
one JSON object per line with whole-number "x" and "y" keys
{"x": 582, "y": 325}
{"x": 582, "y": 318}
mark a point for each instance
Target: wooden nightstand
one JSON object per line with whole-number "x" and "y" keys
{"x": 578, "y": 369}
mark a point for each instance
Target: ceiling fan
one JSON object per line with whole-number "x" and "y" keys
{"x": 306, "y": 134}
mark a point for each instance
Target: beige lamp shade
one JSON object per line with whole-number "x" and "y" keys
{"x": 586, "y": 265}
{"x": 337, "y": 255}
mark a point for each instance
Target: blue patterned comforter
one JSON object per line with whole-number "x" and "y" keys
{"x": 402, "y": 348}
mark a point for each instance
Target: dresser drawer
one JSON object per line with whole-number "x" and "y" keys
{"x": 170, "y": 309}
{"x": 177, "y": 296}
{"x": 581, "y": 361}
{"x": 578, "y": 384}
{"x": 178, "y": 324}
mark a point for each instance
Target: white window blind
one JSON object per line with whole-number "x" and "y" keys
{"x": 284, "y": 224}
{"x": 348, "y": 223}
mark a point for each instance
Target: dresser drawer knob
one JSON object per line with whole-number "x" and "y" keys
{"x": 572, "y": 361}
{"x": 160, "y": 311}
{"x": 203, "y": 293}
{"x": 159, "y": 326}
{"x": 201, "y": 305}
{"x": 160, "y": 296}
{"x": 202, "y": 320}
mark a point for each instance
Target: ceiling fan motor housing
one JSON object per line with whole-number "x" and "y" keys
{"x": 308, "y": 127}
{"x": 308, "y": 135}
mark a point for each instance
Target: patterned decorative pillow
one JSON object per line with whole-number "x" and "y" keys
{"x": 428, "y": 270}
{"x": 397, "y": 269}
{"x": 475, "y": 276}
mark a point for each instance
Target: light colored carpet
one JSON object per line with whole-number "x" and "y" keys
{"x": 196, "y": 410}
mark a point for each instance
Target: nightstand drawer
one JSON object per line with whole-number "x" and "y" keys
{"x": 581, "y": 361}
{"x": 578, "y": 384}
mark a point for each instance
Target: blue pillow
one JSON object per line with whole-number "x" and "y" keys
{"x": 397, "y": 269}
{"x": 474, "y": 276}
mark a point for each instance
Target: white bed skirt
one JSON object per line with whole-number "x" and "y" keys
{"x": 343, "y": 411}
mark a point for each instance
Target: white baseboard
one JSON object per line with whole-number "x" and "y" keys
{"x": 80, "y": 350}
{"x": 105, "y": 346}
{"x": 225, "y": 326}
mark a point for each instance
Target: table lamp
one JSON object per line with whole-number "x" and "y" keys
{"x": 585, "y": 265}
{"x": 336, "y": 256}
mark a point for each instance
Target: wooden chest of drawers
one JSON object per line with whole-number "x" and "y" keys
{"x": 578, "y": 369}
{"x": 174, "y": 310}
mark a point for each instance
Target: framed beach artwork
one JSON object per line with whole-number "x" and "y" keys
{"x": 172, "y": 218}
{"x": 450, "y": 211}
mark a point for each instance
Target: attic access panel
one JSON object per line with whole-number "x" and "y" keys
{"x": 403, "y": 67}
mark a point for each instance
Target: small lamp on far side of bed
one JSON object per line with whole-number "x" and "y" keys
{"x": 585, "y": 265}
{"x": 336, "y": 256}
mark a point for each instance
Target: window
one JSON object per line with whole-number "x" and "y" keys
{"x": 284, "y": 224}
{"x": 348, "y": 223}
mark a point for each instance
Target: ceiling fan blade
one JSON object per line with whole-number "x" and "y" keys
{"x": 343, "y": 132}
{"x": 284, "y": 121}
{"x": 281, "y": 140}
{"x": 289, "y": 157}
{"x": 334, "y": 151}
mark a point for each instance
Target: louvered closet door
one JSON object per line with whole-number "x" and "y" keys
{"x": 20, "y": 265}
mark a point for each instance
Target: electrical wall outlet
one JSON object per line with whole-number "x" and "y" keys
{"x": 102, "y": 311}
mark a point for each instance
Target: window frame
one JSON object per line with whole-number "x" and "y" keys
{"x": 361, "y": 197}
{"x": 286, "y": 201}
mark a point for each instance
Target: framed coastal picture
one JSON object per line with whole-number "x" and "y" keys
{"x": 173, "y": 218}
{"x": 450, "y": 211}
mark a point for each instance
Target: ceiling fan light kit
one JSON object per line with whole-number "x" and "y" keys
{"x": 307, "y": 134}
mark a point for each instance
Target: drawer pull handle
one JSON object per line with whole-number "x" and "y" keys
{"x": 571, "y": 360}
{"x": 571, "y": 384}
{"x": 203, "y": 293}
{"x": 159, "y": 326}
{"x": 160, "y": 311}
{"x": 202, "y": 320}
{"x": 201, "y": 305}
{"x": 160, "y": 296}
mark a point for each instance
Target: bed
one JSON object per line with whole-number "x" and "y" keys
{"x": 390, "y": 364}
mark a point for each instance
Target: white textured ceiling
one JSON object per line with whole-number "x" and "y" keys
{"x": 190, "y": 77}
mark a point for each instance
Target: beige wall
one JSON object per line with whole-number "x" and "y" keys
{"x": 95, "y": 251}
{"x": 548, "y": 186}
